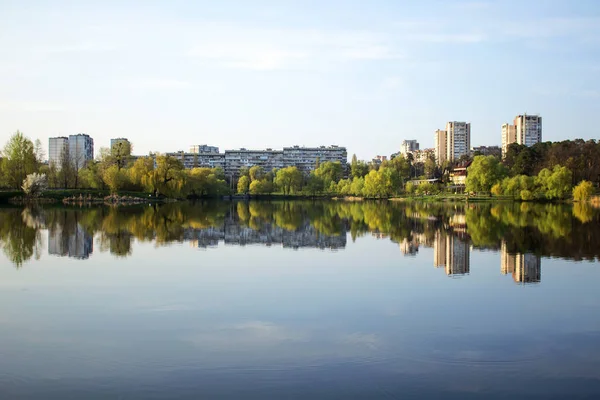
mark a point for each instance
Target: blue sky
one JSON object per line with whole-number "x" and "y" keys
{"x": 257, "y": 74}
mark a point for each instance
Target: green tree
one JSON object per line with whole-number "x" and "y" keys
{"x": 357, "y": 186}
{"x": 256, "y": 173}
{"x": 483, "y": 173}
{"x": 555, "y": 184}
{"x": 120, "y": 153}
{"x": 168, "y": 175}
{"x": 18, "y": 160}
{"x": 143, "y": 175}
{"x": 261, "y": 187}
{"x": 583, "y": 191}
{"x": 315, "y": 184}
{"x": 114, "y": 178}
{"x": 329, "y": 172}
{"x": 66, "y": 170}
{"x": 289, "y": 179}
{"x": 243, "y": 184}
{"x": 431, "y": 169}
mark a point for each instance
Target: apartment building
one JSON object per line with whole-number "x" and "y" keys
{"x": 200, "y": 160}
{"x": 509, "y": 135}
{"x": 408, "y": 146}
{"x": 458, "y": 140}
{"x": 420, "y": 156}
{"x": 525, "y": 130}
{"x": 56, "y": 147}
{"x": 268, "y": 159}
{"x": 487, "y": 150}
{"x": 306, "y": 158}
{"x": 81, "y": 150}
{"x": 441, "y": 146}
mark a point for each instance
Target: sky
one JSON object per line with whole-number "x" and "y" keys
{"x": 268, "y": 74}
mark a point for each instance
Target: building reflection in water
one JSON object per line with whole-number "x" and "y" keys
{"x": 232, "y": 233}
{"x": 524, "y": 267}
{"x": 452, "y": 253}
{"x": 73, "y": 242}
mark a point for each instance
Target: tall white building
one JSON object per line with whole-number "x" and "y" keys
{"x": 81, "y": 150}
{"x": 408, "y": 146}
{"x": 509, "y": 135}
{"x": 458, "y": 140}
{"x": 441, "y": 146}
{"x": 56, "y": 147}
{"x": 528, "y": 129}
{"x": 525, "y": 130}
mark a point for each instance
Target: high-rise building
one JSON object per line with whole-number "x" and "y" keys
{"x": 408, "y": 146}
{"x": 441, "y": 146}
{"x": 458, "y": 140}
{"x": 526, "y": 130}
{"x": 509, "y": 135}
{"x": 56, "y": 147}
{"x": 81, "y": 150}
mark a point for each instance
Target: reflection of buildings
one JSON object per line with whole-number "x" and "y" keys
{"x": 233, "y": 233}
{"x": 452, "y": 253}
{"x": 76, "y": 243}
{"x": 524, "y": 267}
{"x": 439, "y": 250}
{"x": 409, "y": 248}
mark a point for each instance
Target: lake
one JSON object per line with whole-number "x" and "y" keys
{"x": 297, "y": 300}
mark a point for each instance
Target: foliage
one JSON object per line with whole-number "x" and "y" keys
{"x": 18, "y": 160}
{"x": 483, "y": 173}
{"x": 555, "y": 184}
{"x": 261, "y": 187}
{"x": 114, "y": 178}
{"x": 289, "y": 180}
{"x": 583, "y": 191}
{"x": 35, "y": 184}
{"x": 243, "y": 184}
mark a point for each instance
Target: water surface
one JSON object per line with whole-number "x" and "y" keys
{"x": 300, "y": 300}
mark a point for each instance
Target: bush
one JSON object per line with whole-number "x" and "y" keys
{"x": 35, "y": 184}
{"x": 583, "y": 191}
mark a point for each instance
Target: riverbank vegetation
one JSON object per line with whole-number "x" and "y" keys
{"x": 545, "y": 171}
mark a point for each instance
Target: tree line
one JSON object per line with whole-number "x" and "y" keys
{"x": 551, "y": 171}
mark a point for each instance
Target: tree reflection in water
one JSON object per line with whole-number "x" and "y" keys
{"x": 522, "y": 231}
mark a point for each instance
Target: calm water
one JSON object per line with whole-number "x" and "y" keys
{"x": 300, "y": 300}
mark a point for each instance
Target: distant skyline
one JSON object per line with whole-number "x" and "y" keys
{"x": 258, "y": 74}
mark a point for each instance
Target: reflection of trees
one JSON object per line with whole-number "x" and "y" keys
{"x": 19, "y": 238}
{"x": 541, "y": 229}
